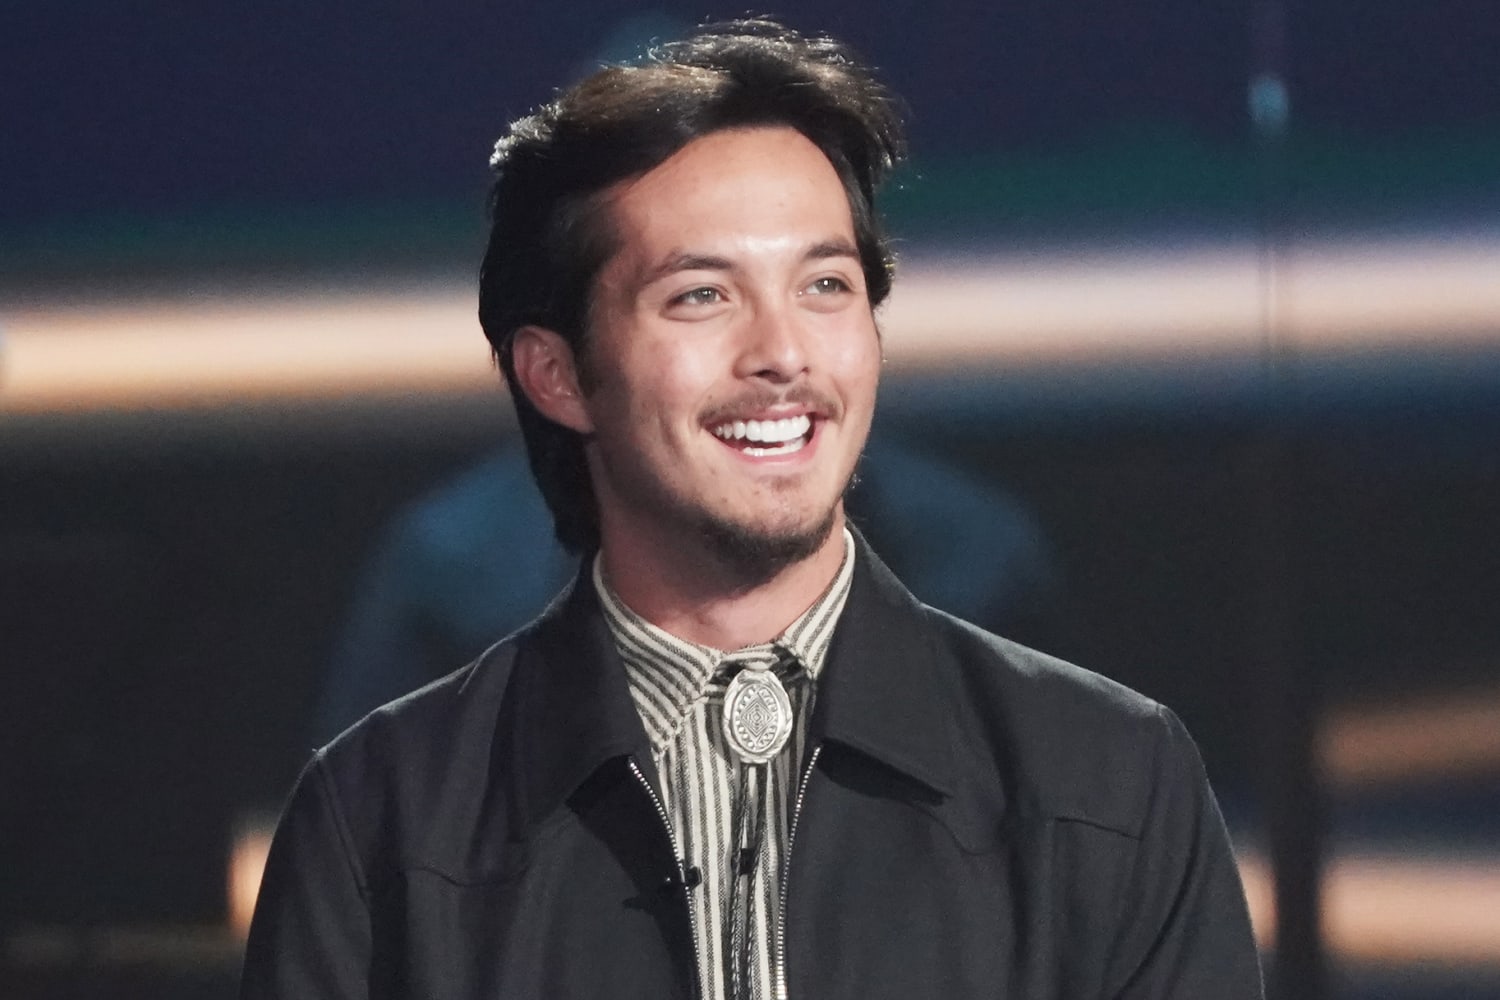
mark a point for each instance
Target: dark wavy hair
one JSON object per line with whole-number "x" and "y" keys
{"x": 550, "y": 233}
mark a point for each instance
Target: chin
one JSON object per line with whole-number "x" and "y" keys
{"x": 757, "y": 552}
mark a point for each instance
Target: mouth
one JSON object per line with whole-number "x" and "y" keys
{"x": 766, "y": 438}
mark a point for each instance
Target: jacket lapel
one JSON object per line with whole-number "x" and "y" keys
{"x": 570, "y": 707}
{"x": 878, "y": 693}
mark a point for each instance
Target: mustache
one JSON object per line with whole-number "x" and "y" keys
{"x": 747, "y": 404}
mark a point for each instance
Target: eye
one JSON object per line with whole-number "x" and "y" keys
{"x": 705, "y": 296}
{"x": 827, "y": 285}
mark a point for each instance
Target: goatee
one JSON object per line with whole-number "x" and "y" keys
{"x": 756, "y": 556}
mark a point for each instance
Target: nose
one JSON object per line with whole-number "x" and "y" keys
{"x": 774, "y": 346}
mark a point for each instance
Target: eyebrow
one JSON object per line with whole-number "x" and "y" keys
{"x": 680, "y": 260}
{"x": 831, "y": 248}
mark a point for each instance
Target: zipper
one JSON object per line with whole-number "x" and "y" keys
{"x": 677, "y": 859}
{"x": 786, "y": 870}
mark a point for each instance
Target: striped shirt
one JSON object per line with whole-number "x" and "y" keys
{"x": 678, "y": 688}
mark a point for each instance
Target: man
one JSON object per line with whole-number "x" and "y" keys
{"x": 736, "y": 759}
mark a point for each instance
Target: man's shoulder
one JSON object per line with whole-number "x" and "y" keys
{"x": 424, "y": 754}
{"x": 1034, "y": 681}
{"x": 1066, "y": 741}
{"x": 427, "y": 722}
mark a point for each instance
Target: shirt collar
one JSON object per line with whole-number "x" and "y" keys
{"x": 667, "y": 674}
{"x": 887, "y": 693}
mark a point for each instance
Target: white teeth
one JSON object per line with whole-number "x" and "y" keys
{"x": 780, "y": 449}
{"x": 770, "y": 432}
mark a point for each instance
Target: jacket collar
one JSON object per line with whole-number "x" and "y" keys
{"x": 570, "y": 710}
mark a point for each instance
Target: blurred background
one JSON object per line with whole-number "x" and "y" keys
{"x": 1194, "y": 368}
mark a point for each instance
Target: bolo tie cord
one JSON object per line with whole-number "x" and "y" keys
{"x": 750, "y": 826}
{"x": 749, "y": 841}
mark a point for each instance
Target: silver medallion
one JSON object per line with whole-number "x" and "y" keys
{"x": 757, "y": 715}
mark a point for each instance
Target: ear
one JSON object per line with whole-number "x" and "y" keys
{"x": 548, "y": 374}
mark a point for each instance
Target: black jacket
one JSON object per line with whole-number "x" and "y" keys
{"x": 979, "y": 821}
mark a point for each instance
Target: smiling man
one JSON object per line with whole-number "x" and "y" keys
{"x": 736, "y": 758}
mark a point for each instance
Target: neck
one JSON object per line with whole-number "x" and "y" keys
{"x": 698, "y": 597}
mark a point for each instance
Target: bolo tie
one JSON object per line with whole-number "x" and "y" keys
{"x": 757, "y": 724}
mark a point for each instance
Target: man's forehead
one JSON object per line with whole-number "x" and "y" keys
{"x": 744, "y": 192}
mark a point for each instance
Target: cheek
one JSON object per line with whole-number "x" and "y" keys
{"x": 858, "y": 362}
{"x": 675, "y": 381}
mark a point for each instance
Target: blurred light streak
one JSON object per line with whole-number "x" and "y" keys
{"x": 1387, "y": 908}
{"x": 1334, "y": 296}
{"x": 1260, "y": 895}
{"x": 1452, "y": 736}
{"x": 1013, "y": 310}
{"x": 247, "y": 865}
{"x": 194, "y": 353}
{"x": 76, "y": 948}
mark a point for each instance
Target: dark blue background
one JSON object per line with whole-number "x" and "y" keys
{"x": 135, "y": 107}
